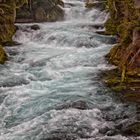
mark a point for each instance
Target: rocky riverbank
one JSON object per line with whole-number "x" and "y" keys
{"x": 124, "y": 21}
{"x": 7, "y": 19}
{"x": 25, "y": 11}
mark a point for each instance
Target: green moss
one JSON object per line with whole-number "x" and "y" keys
{"x": 137, "y": 28}
{"x": 123, "y": 75}
{"x": 110, "y": 27}
{"x": 136, "y": 128}
{"x": 118, "y": 88}
{"x": 3, "y": 56}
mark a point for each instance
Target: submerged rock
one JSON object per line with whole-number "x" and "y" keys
{"x": 3, "y": 56}
{"x": 80, "y": 104}
{"x": 11, "y": 43}
{"x": 35, "y": 27}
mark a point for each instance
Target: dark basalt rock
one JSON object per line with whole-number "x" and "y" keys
{"x": 11, "y": 43}
{"x": 80, "y": 104}
{"x": 35, "y": 27}
{"x": 111, "y": 133}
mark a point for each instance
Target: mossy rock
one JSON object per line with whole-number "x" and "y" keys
{"x": 119, "y": 88}
{"x": 3, "y": 56}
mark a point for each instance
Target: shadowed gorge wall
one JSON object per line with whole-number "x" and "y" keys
{"x": 41, "y": 10}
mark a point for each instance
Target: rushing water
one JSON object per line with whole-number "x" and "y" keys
{"x": 50, "y": 89}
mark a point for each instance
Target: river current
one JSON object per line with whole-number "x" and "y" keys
{"x": 50, "y": 87}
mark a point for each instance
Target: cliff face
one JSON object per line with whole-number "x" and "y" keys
{"x": 40, "y": 11}
{"x": 7, "y": 18}
{"x": 124, "y": 22}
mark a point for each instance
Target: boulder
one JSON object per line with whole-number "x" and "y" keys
{"x": 35, "y": 27}
{"x": 41, "y": 11}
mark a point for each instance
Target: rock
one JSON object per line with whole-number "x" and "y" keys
{"x": 104, "y": 130}
{"x": 11, "y": 43}
{"x": 3, "y": 56}
{"x": 40, "y": 14}
{"x": 41, "y": 11}
{"x": 80, "y": 104}
{"x": 35, "y": 27}
{"x": 111, "y": 133}
{"x": 96, "y": 4}
{"x": 133, "y": 129}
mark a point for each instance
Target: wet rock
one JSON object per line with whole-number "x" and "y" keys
{"x": 17, "y": 27}
{"x": 132, "y": 129}
{"x": 41, "y": 11}
{"x": 11, "y": 43}
{"x": 2, "y": 97}
{"x": 95, "y": 4}
{"x": 80, "y": 104}
{"x": 35, "y": 27}
{"x": 111, "y": 133}
{"x": 13, "y": 81}
{"x": 58, "y": 135}
{"x": 52, "y": 138}
{"x": 104, "y": 130}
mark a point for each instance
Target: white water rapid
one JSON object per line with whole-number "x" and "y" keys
{"x": 50, "y": 88}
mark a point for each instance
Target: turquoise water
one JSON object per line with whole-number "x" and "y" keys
{"x": 50, "y": 88}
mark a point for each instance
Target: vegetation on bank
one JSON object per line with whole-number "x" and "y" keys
{"x": 124, "y": 21}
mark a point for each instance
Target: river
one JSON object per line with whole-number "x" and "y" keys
{"x": 50, "y": 87}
